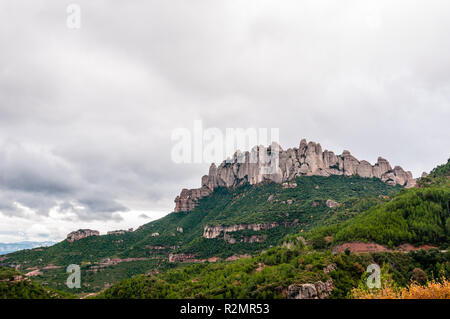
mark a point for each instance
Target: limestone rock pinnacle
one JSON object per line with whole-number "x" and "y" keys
{"x": 262, "y": 164}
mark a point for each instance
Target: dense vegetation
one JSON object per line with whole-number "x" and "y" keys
{"x": 367, "y": 210}
{"x": 270, "y": 274}
{"x": 298, "y": 209}
{"x": 14, "y": 285}
{"x": 420, "y": 287}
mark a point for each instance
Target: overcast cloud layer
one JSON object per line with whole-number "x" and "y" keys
{"x": 86, "y": 115}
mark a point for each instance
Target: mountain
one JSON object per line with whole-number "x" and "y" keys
{"x": 248, "y": 214}
{"x": 6, "y": 248}
{"x": 299, "y": 269}
{"x": 276, "y": 165}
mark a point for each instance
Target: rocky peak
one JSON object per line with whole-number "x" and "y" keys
{"x": 81, "y": 233}
{"x": 308, "y": 159}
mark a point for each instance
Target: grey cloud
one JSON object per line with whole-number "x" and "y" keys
{"x": 34, "y": 170}
{"x": 86, "y": 115}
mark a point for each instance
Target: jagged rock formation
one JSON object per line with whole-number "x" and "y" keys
{"x": 81, "y": 233}
{"x": 331, "y": 203}
{"x": 276, "y": 165}
{"x": 318, "y": 290}
{"x": 119, "y": 232}
{"x": 215, "y": 231}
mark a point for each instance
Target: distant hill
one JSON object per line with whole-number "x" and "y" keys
{"x": 6, "y": 248}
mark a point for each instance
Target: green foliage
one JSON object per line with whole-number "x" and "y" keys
{"x": 14, "y": 285}
{"x": 295, "y": 209}
{"x": 418, "y": 216}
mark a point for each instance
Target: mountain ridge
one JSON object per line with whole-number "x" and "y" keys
{"x": 7, "y": 248}
{"x": 306, "y": 160}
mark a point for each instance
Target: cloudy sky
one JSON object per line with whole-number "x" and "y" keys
{"x": 86, "y": 114}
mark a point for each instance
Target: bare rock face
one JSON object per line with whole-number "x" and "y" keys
{"x": 318, "y": 290}
{"x": 81, "y": 233}
{"x": 281, "y": 166}
{"x": 331, "y": 203}
{"x": 223, "y": 232}
{"x": 173, "y": 258}
{"x": 119, "y": 232}
{"x": 381, "y": 167}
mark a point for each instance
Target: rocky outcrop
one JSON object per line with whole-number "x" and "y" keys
{"x": 189, "y": 197}
{"x": 359, "y": 247}
{"x": 318, "y": 290}
{"x": 247, "y": 239}
{"x": 281, "y": 166}
{"x": 34, "y": 273}
{"x": 119, "y": 232}
{"x": 81, "y": 233}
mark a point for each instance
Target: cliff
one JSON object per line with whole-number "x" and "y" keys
{"x": 308, "y": 159}
{"x": 81, "y": 233}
